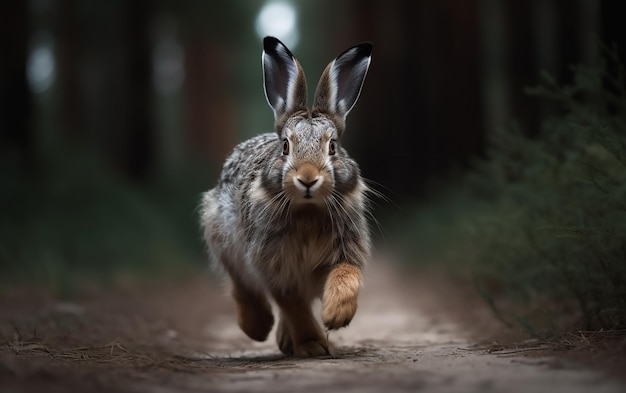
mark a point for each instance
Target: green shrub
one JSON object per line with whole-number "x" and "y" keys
{"x": 554, "y": 240}
{"x": 75, "y": 222}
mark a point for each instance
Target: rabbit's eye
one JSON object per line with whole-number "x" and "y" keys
{"x": 332, "y": 147}
{"x": 285, "y": 147}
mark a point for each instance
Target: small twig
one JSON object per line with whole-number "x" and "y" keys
{"x": 115, "y": 344}
{"x": 514, "y": 351}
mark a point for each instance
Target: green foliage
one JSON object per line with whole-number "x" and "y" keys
{"x": 554, "y": 240}
{"x": 75, "y": 223}
{"x": 541, "y": 222}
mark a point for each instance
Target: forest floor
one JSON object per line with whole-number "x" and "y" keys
{"x": 412, "y": 332}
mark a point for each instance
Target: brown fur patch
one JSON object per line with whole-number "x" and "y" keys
{"x": 254, "y": 314}
{"x": 339, "y": 301}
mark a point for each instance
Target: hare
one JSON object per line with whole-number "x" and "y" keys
{"x": 287, "y": 218}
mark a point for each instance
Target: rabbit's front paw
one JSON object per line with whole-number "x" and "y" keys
{"x": 340, "y": 296}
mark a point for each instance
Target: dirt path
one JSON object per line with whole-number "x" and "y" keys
{"x": 183, "y": 338}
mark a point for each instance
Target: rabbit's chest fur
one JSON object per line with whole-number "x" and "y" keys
{"x": 287, "y": 257}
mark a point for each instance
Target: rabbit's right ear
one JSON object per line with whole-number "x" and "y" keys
{"x": 283, "y": 80}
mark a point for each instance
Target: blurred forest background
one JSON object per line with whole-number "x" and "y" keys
{"x": 116, "y": 115}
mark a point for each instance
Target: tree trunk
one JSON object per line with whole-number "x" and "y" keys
{"x": 17, "y": 138}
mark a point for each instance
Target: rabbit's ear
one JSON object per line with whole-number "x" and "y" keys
{"x": 341, "y": 82}
{"x": 283, "y": 80}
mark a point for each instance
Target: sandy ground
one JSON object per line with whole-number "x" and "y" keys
{"x": 182, "y": 337}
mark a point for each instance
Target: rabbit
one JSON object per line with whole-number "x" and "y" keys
{"x": 287, "y": 219}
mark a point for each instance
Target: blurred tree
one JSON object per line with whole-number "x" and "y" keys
{"x": 210, "y": 112}
{"x": 140, "y": 154}
{"x": 215, "y": 38}
{"x": 420, "y": 115}
{"x": 17, "y": 134}
{"x": 612, "y": 25}
{"x": 68, "y": 70}
{"x": 105, "y": 82}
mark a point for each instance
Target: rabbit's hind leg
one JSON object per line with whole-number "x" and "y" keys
{"x": 283, "y": 336}
{"x": 298, "y": 333}
{"x": 254, "y": 312}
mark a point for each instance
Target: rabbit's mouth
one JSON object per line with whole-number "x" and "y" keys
{"x": 307, "y": 184}
{"x": 307, "y": 194}
{"x": 308, "y": 191}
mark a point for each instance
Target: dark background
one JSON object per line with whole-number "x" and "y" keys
{"x": 149, "y": 97}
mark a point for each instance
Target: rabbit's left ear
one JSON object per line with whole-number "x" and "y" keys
{"x": 283, "y": 80}
{"x": 341, "y": 82}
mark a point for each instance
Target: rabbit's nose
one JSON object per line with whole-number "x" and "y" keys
{"x": 308, "y": 184}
